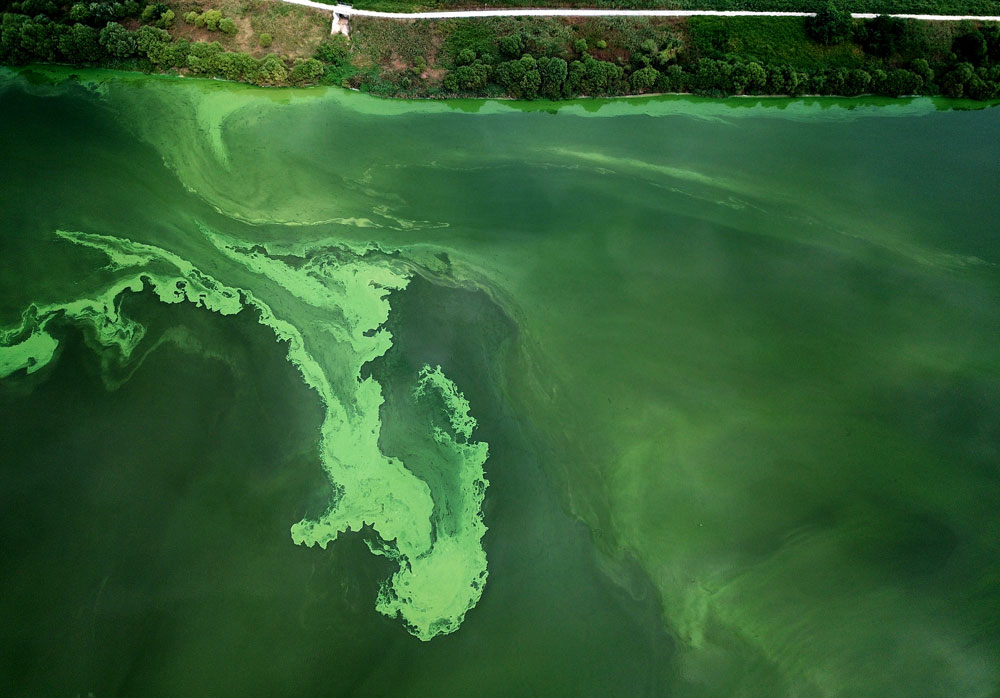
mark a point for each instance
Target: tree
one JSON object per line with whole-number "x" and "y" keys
{"x": 672, "y": 79}
{"x": 306, "y": 71}
{"x": 953, "y": 84}
{"x": 150, "y": 40}
{"x": 757, "y": 77}
{"x": 467, "y": 78}
{"x": 204, "y": 57}
{"x": 512, "y": 46}
{"x": 713, "y": 76}
{"x": 520, "y": 78}
{"x": 970, "y": 48}
{"x": 176, "y": 54}
{"x": 900, "y": 82}
{"x": 272, "y": 70}
{"x": 922, "y": 68}
{"x": 553, "y": 72}
{"x": 980, "y": 89}
{"x": 830, "y": 25}
{"x": 39, "y": 37}
{"x": 883, "y": 36}
{"x": 242, "y": 66}
{"x": 33, "y": 8}
{"x": 644, "y": 79}
{"x": 117, "y": 41}
{"x": 574, "y": 79}
{"x": 601, "y": 77}
{"x": 857, "y": 82}
{"x": 10, "y": 38}
{"x": 992, "y": 35}
{"x": 79, "y": 44}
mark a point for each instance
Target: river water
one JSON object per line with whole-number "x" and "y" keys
{"x": 308, "y": 393}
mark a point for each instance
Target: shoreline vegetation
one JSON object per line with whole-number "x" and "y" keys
{"x": 271, "y": 43}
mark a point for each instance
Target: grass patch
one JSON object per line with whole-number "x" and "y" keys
{"x": 295, "y": 31}
{"x": 768, "y": 40}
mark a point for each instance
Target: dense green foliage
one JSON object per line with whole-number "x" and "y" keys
{"x": 529, "y": 58}
{"x": 831, "y": 25}
{"x": 544, "y": 58}
{"x": 92, "y": 34}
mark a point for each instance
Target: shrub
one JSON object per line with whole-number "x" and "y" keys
{"x": 304, "y": 71}
{"x": 465, "y": 57}
{"x": 209, "y": 19}
{"x": 334, "y": 51}
{"x": 227, "y": 26}
{"x": 190, "y": 17}
{"x": 264, "y": 39}
{"x": 151, "y": 13}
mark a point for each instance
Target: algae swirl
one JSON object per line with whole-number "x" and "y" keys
{"x": 340, "y": 301}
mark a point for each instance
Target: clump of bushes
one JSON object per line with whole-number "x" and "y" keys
{"x": 158, "y": 14}
{"x": 212, "y": 20}
{"x": 893, "y": 60}
{"x": 149, "y": 47}
{"x": 334, "y": 51}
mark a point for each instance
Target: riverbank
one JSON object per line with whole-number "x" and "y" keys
{"x": 523, "y": 57}
{"x": 565, "y": 57}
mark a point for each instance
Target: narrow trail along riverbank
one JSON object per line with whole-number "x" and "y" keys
{"x": 348, "y": 11}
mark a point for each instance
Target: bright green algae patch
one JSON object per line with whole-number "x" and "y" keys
{"x": 435, "y": 540}
{"x": 448, "y": 460}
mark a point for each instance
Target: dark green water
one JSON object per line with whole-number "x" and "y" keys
{"x": 730, "y": 369}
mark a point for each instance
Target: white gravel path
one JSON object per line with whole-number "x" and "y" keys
{"x": 348, "y": 11}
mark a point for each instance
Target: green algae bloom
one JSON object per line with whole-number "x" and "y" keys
{"x": 309, "y": 393}
{"x": 442, "y": 568}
